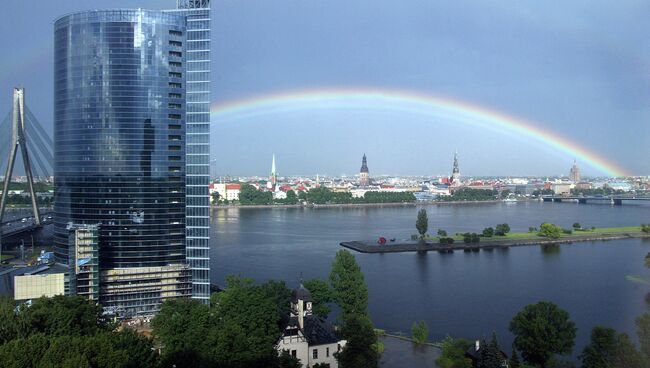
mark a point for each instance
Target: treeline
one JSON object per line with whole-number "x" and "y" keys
{"x": 249, "y": 195}
{"x": 326, "y": 196}
{"x": 470, "y": 194}
{"x": 39, "y": 186}
{"x": 543, "y": 334}
{"x": 17, "y": 199}
{"x": 67, "y": 331}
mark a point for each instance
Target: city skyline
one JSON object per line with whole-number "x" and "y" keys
{"x": 581, "y": 81}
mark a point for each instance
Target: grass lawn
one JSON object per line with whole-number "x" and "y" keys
{"x": 532, "y": 236}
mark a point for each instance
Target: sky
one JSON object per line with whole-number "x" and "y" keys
{"x": 579, "y": 70}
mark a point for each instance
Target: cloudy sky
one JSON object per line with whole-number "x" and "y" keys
{"x": 578, "y": 69}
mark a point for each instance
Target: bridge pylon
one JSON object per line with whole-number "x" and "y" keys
{"x": 18, "y": 141}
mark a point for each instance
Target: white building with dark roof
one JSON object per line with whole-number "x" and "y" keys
{"x": 307, "y": 337}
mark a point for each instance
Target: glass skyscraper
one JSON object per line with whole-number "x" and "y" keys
{"x": 121, "y": 87}
{"x": 197, "y": 13}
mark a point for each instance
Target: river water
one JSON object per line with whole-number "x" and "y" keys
{"x": 461, "y": 294}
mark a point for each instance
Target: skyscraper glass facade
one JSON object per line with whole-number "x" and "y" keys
{"x": 120, "y": 138}
{"x": 197, "y": 13}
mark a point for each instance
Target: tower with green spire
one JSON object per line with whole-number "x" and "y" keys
{"x": 274, "y": 176}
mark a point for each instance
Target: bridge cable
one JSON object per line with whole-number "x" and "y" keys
{"x": 35, "y": 139}
{"x": 39, "y": 127}
{"x": 39, "y": 161}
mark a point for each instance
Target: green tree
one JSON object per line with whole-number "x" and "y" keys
{"x": 248, "y": 325}
{"x": 420, "y": 332}
{"x": 348, "y": 284}
{"x": 643, "y": 332}
{"x": 607, "y": 349}
{"x": 8, "y": 325}
{"x": 488, "y": 232}
{"x": 442, "y": 233}
{"x": 577, "y": 226}
{"x": 249, "y": 195}
{"x": 422, "y": 223}
{"x": 60, "y": 315}
{"x": 541, "y": 330}
{"x": 490, "y": 354}
{"x": 285, "y": 360}
{"x": 360, "y": 351}
{"x": 514, "y": 358}
{"x": 453, "y": 354}
{"x": 182, "y": 328}
{"x": 321, "y": 295}
{"x": 292, "y": 198}
{"x": 501, "y": 229}
{"x": 551, "y": 231}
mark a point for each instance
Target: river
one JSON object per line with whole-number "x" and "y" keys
{"x": 461, "y": 294}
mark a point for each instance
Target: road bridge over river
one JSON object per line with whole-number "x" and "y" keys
{"x": 615, "y": 200}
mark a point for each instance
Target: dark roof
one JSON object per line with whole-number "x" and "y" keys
{"x": 301, "y": 293}
{"x": 319, "y": 332}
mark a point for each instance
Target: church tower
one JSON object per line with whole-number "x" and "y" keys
{"x": 273, "y": 179}
{"x": 364, "y": 176}
{"x": 455, "y": 173}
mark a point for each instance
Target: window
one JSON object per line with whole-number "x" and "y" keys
{"x": 294, "y": 353}
{"x": 175, "y": 43}
{"x": 327, "y": 352}
{"x": 176, "y": 53}
{"x": 314, "y": 354}
{"x": 175, "y": 33}
{"x": 175, "y": 75}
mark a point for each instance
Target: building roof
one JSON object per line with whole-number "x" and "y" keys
{"x": 302, "y": 293}
{"x": 233, "y": 186}
{"x": 319, "y": 332}
{"x": 7, "y": 275}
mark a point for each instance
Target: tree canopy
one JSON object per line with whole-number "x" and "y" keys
{"x": 542, "y": 330}
{"x": 348, "y": 284}
{"x": 422, "y": 222}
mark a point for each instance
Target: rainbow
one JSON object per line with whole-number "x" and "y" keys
{"x": 439, "y": 108}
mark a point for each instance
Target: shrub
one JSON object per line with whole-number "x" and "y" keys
{"x": 414, "y": 237}
{"x": 549, "y": 230}
{"x": 577, "y": 226}
{"x": 532, "y": 229}
{"x": 442, "y": 232}
{"x": 567, "y": 231}
{"x": 420, "y": 332}
{"x": 502, "y": 229}
{"x": 488, "y": 232}
{"x": 645, "y": 228}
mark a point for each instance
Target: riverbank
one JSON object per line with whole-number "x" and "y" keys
{"x": 402, "y": 352}
{"x": 357, "y": 205}
{"x": 513, "y": 240}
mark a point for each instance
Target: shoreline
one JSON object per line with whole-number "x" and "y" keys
{"x": 359, "y": 205}
{"x": 404, "y": 247}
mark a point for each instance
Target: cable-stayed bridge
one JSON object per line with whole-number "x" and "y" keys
{"x": 22, "y": 133}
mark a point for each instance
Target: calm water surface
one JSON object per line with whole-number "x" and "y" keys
{"x": 461, "y": 294}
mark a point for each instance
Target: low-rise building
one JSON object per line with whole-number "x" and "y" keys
{"x": 33, "y": 282}
{"x": 307, "y": 337}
